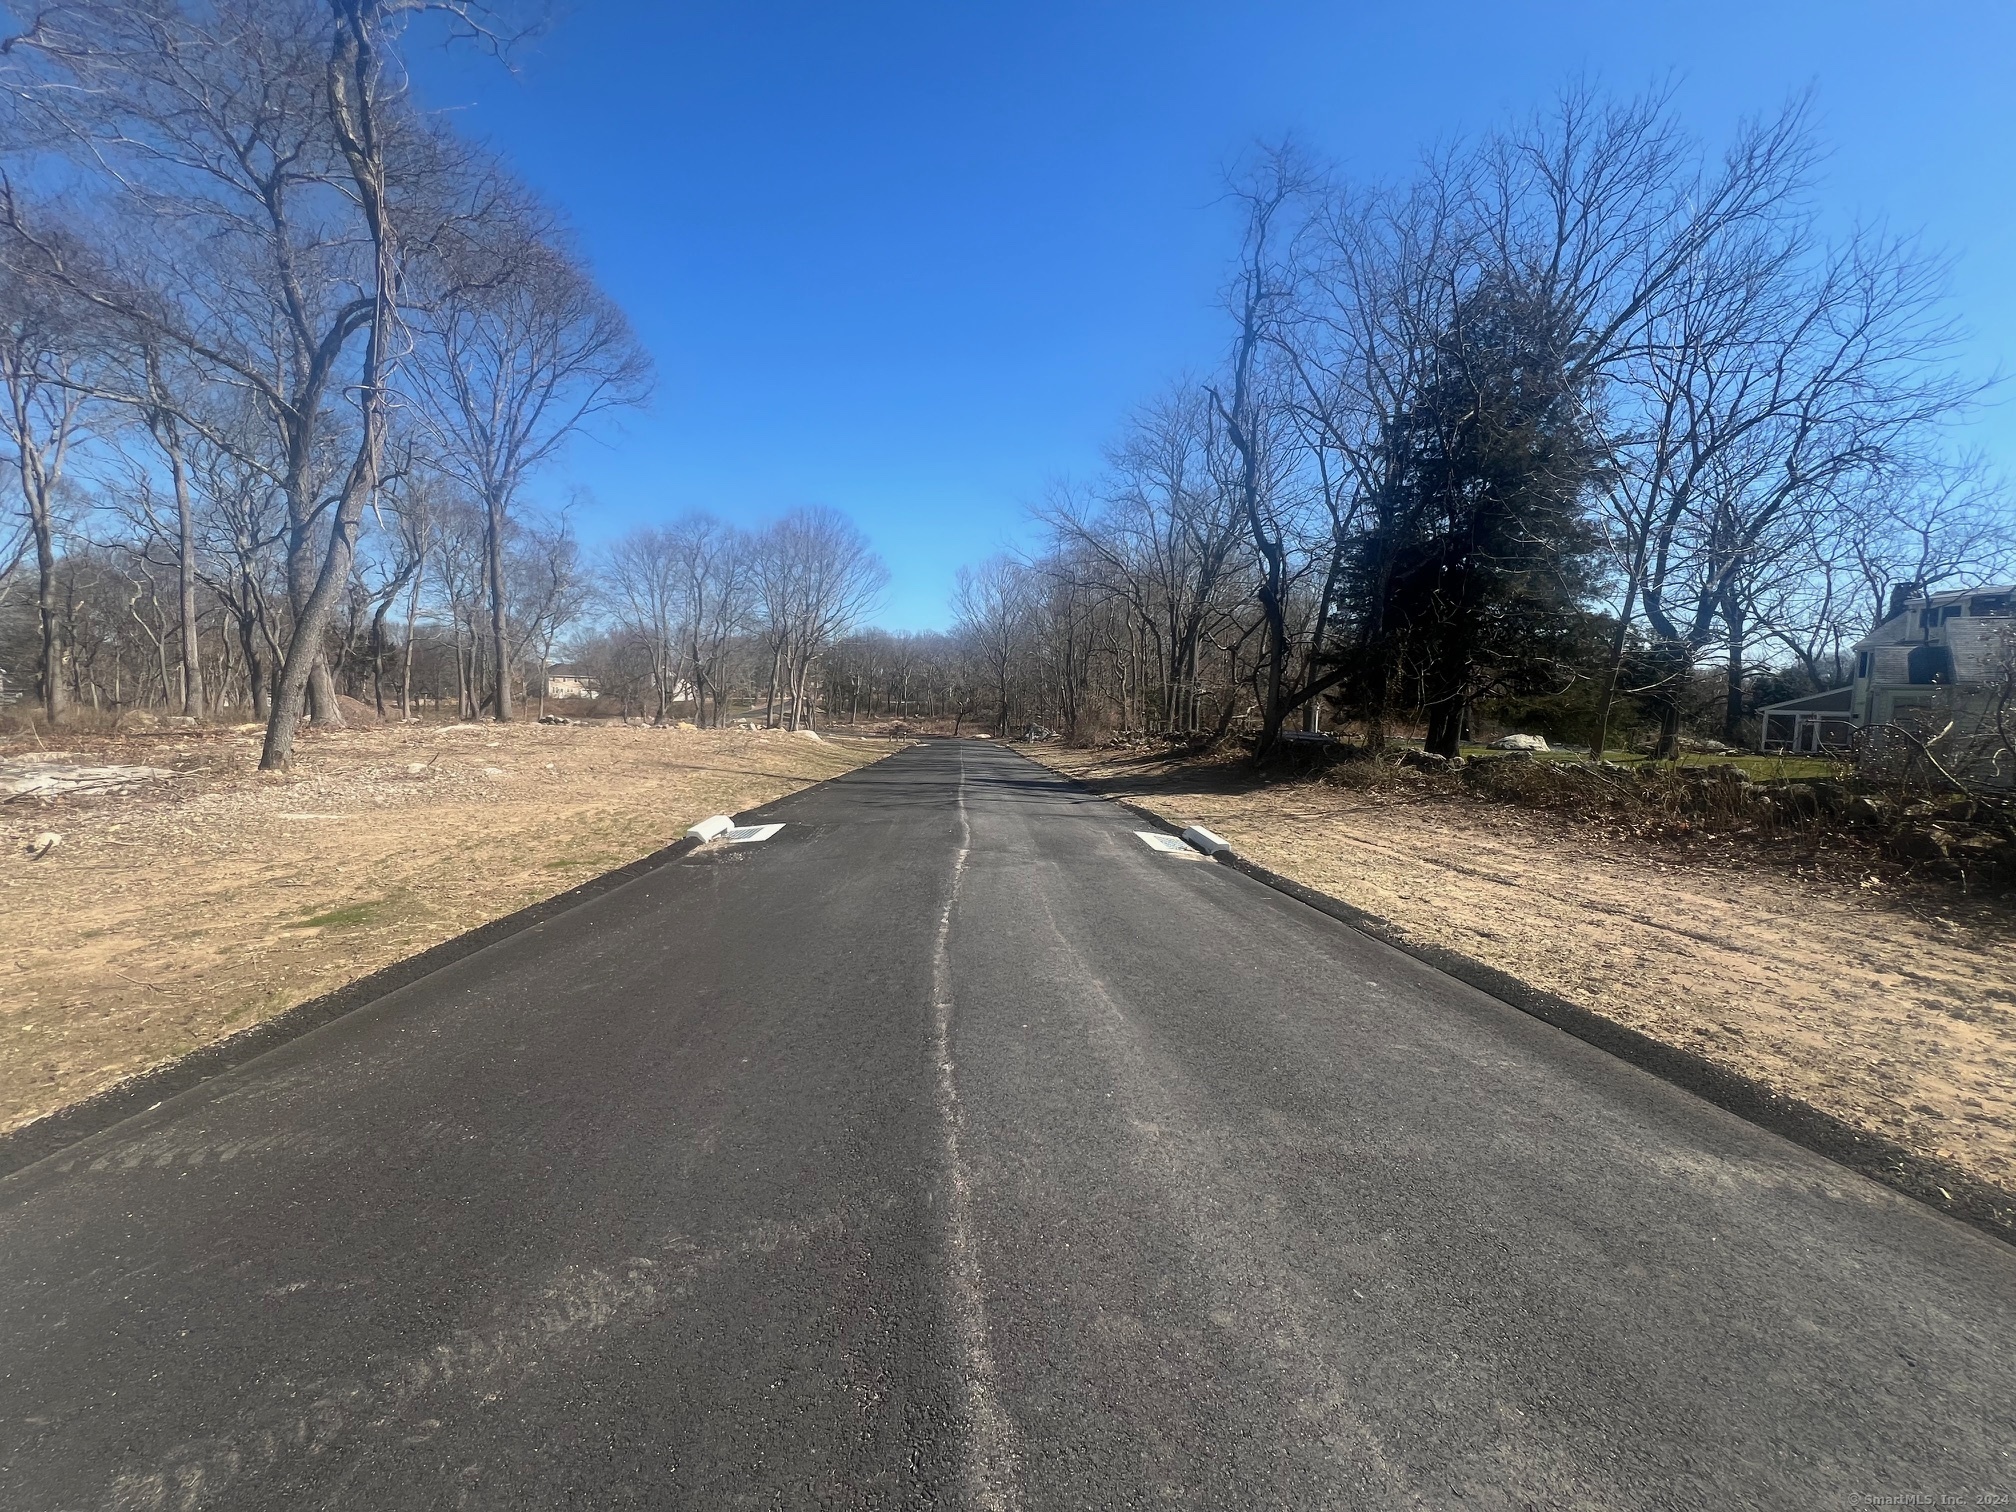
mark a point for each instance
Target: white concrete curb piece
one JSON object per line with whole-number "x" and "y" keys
{"x": 1205, "y": 841}
{"x": 711, "y": 829}
{"x": 1155, "y": 840}
{"x": 750, "y": 834}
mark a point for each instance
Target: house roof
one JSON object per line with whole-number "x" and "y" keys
{"x": 1904, "y": 625}
{"x": 1833, "y": 701}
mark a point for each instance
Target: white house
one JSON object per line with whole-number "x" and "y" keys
{"x": 571, "y": 680}
{"x": 1935, "y": 660}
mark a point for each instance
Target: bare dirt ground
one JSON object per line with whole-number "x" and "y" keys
{"x": 1890, "y": 1008}
{"x": 189, "y": 896}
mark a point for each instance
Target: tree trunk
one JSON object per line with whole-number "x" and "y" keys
{"x": 1601, "y": 743}
{"x": 256, "y": 676}
{"x": 493, "y": 549}
{"x": 55, "y": 704}
{"x": 1445, "y": 726}
{"x": 305, "y": 667}
{"x": 1732, "y": 704}
{"x": 185, "y": 575}
{"x": 406, "y": 670}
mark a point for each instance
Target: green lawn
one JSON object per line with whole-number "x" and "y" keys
{"x": 1762, "y": 768}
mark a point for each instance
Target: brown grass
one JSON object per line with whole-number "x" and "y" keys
{"x": 1892, "y": 1009}
{"x": 190, "y": 908}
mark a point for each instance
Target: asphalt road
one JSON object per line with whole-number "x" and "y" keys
{"x": 954, "y": 1148}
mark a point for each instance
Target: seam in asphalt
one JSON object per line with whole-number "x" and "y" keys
{"x": 1936, "y": 1183}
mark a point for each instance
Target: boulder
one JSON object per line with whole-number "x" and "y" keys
{"x": 1519, "y": 743}
{"x": 1866, "y": 810}
{"x": 1427, "y": 761}
{"x": 1921, "y": 842}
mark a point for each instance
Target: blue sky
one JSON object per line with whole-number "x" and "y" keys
{"x": 914, "y": 260}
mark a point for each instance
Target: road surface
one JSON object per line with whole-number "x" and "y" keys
{"x": 955, "y": 1148}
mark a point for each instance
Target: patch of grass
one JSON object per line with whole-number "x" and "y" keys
{"x": 575, "y": 863}
{"x": 1762, "y": 768}
{"x": 350, "y": 916}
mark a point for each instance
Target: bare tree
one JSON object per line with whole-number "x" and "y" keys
{"x": 552, "y": 589}
{"x": 994, "y": 615}
{"x": 40, "y": 421}
{"x": 522, "y": 351}
{"x": 716, "y": 582}
{"x": 646, "y": 589}
{"x": 256, "y": 177}
{"x": 817, "y": 578}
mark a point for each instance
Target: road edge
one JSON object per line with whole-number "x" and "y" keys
{"x": 40, "y": 1138}
{"x": 52, "y": 1132}
{"x": 1942, "y": 1187}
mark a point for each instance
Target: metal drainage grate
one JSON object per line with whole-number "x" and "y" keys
{"x": 1155, "y": 840}
{"x": 749, "y": 834}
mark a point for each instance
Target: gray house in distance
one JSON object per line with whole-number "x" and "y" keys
{"x": 1934, "y": 660}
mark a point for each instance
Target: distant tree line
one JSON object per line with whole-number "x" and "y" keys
{"x": 1577, "y": 427}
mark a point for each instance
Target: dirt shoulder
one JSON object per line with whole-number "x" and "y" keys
{"x": 1896, "y": 1014}
{"x": 181, "y": 907}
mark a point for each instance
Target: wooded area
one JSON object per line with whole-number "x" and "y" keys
{"x": 1582, "y": 430}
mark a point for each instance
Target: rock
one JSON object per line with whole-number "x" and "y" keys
{"x": 179, "y": 721}
{"x": 135, "y": 719}
{"x": 1865, "y": 810}
{"x": 1921, "y": 843}
{"x": 1036, "y": 732}
{"x": 1427, "y": 761}
{"x": 1799, "y": 798}
{"x": 1519, "y": 743}
{"x": 554, "y": 719}
{"x": 493, "y": 771}
{"x": 44, "y": 843}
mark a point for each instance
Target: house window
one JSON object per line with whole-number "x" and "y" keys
{"x": 1865, "y": 663}
{"x": 1990, "y": 605}
{"x": 1931, "y": 664}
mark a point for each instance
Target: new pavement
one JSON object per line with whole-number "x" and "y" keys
{"x": 955, "y": 1148}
